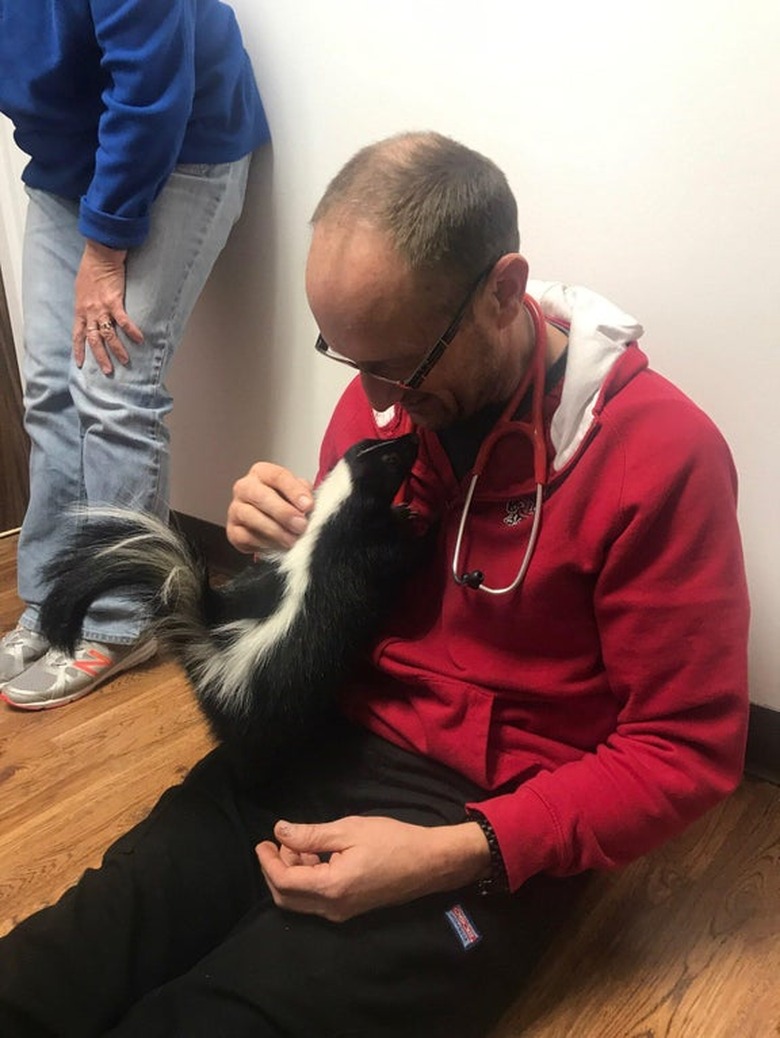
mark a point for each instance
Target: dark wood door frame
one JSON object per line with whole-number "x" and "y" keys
{"x": 14, "y": 446}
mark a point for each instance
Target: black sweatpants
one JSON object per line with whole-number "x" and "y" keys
{"x": 176, "y": 936}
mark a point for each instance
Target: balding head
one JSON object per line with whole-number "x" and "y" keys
{"x": 446, "y": 210}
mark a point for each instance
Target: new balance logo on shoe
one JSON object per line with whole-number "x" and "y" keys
{"x": 93, "y": 662}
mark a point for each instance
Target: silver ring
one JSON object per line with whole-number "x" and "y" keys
{"x": 106, "y": 326}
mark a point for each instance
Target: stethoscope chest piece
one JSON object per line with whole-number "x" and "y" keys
{"x": 474, "y": 579}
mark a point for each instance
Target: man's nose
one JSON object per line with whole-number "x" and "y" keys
{"x": 381, "y": 394}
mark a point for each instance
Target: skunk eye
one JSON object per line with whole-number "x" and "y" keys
{"x": 391, "y": 460}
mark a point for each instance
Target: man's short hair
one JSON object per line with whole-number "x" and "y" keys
{"x": 446, "y": 208}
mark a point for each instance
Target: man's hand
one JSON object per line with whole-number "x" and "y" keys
{"x": 340, "y": 869}
{"x": 268, "y": 510}
{"x": 100, "y": 307}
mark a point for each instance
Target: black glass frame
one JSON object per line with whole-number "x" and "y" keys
{"x": 431, "y": 358}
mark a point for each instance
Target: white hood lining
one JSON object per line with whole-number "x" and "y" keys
{"x": 599, "y": 333}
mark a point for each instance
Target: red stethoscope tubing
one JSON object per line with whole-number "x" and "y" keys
{"x": 535, "y": 375}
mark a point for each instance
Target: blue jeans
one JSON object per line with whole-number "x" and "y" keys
{"x": 97, "y": 439}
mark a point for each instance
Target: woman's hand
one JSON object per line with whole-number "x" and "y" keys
{"x": 100, "y": 307}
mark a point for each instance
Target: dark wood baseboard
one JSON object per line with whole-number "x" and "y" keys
{"x": 763, "y": 749}
{"x": 222, "y": 557}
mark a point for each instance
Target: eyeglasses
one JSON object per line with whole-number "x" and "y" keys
{"x": 431, "y": 358}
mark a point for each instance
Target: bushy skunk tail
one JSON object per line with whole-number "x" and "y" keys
{"x": 112, "y": 549}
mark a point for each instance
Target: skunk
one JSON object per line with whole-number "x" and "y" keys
{"x": 266, "y": 652}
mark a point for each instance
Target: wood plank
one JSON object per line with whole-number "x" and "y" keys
{"x": 682, "y": 943}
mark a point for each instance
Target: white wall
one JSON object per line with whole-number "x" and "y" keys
{"x": 642, "y": 143}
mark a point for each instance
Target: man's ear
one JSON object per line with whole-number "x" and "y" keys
{"x": 506, "y": 286}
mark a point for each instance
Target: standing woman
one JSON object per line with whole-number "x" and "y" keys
{"x": 139, "y": 119}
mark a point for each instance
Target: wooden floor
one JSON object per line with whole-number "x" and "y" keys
{"x": 73, "y": 779}
{"x": 683, "y": 944}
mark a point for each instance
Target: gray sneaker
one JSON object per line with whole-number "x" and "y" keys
{"x": 18, "y": 649}
{"x": 57, "y": 678}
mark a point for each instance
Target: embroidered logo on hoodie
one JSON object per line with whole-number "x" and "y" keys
{"x": 518, "y": 509}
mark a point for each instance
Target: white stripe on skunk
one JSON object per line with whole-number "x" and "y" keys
{"x": 249, "y": 642}
{"x": 267, "y": 652}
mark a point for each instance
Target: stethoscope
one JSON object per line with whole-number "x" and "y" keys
{"x": 534, "y": 430}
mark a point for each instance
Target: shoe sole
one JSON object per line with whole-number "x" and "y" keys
{"x": 133, "y": 659}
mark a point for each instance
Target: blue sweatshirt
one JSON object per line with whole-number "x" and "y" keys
{"x": 107, "y": 96}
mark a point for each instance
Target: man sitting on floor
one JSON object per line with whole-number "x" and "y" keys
{"x": 562, "y": 687}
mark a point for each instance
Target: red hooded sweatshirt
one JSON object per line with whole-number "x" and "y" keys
{"x": 602, "y": 705}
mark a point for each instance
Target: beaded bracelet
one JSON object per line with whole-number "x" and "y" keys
{"x": 498, "y": 881}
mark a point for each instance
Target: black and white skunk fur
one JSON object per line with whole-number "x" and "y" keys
{"x": 267, "y": 652}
